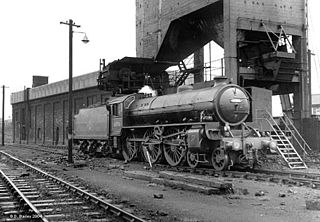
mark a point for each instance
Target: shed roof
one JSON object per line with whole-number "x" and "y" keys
{"x": 79, "y": 82}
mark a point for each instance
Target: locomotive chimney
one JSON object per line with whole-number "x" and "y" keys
{"x": 148, "y": 91}
{"x": 220, "y": 80}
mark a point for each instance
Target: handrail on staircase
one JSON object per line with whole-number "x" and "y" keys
{"x": 275, "y": 131}
{"x": 270, "y": 119}
{"x": 294, "y": 137}
{"x": 271, "y": 125}
{"x": 305, "y": 144}
{"x": 301, "y": 147}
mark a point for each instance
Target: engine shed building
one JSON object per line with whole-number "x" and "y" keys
{"x": 316, "y": 104}
{"x": 40, "y": 114}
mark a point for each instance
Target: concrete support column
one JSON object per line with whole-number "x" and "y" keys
{"x": 302, "y": 92}
{"x": 230, "y": 42}
{"x": 198, "y": 61}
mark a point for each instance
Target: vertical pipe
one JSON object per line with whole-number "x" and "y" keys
{"x": 309, "y": 92}
{"x": 27, "y": 115}
{"x": 3, "y": 96}
{"x": 70, "y": 136}
{"x": 222, "y": 67}
{"x": 210, "y": 60}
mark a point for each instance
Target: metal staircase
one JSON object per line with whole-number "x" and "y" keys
{"x": 296, "y": 136}
{"x": 184, "y": 73}
{"x": 287, "y": 150}
{"x": 285, "y": 135}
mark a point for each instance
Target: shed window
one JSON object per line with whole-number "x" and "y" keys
{"x": 39, "y": 134}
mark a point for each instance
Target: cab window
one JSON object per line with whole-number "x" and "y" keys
{"x": 116, "y": 109}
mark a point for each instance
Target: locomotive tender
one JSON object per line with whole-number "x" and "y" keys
{"x": 200, "y": 126}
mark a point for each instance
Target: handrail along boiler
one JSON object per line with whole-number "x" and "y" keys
{"x": 200, "y": 126}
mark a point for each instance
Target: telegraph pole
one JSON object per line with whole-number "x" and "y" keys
{"x": 71, "y": 24}
{"x": 3, "y": 96}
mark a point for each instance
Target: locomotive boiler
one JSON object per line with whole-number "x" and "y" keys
{"x": 224, "y": 103}
{"x": 203, "y": 126}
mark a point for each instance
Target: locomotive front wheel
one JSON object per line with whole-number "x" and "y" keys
{"x": 154, "y": 147}
{"x": 192, "y": 159}
{"x": 130, "y": 149}
{"x": 219, "y": 159}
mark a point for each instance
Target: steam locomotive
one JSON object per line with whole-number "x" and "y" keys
{"x": 203, "y": 126}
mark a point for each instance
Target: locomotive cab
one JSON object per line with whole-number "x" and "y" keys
{"x": 118, "y": 117}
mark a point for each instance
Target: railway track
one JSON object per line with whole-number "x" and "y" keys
{"x": 311, "y": 180}
{"x": 48, "y": 149}
{"x": 296, "y": 178}
{"x": 30, "y": 194}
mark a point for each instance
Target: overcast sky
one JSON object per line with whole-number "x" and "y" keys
{"x": 32, "y": 41}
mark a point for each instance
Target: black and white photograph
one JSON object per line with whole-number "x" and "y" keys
{"x": 160, "y": 110}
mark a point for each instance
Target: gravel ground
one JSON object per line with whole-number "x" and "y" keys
{"x": 252, "y": 201}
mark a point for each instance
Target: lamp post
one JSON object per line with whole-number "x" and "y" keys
{"x": 71, "y": 24}
{"x": 3, "y": 97}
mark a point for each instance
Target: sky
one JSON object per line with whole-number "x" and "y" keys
{"x": 33, "y": 42}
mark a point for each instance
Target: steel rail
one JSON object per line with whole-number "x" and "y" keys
{"x": 279, "y": 176}
{"x": 290, "y": 174}
{"x": 311, "y": 180}
{"x": 26, "y": 146}
{"x": 107, "y": 206}
{"x": 25, "y": 199}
